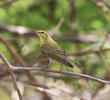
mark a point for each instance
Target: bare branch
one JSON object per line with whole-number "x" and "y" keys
{"x": 66, "y": 73}
{"x": 27, "y": 33}
{"x": 60, "y": 23}
{"x": 20, "y": 30}
{"x": 16, "y": 57}
{"x": 76, "y": 39}
{"x": 15, "y": 68}
{"x": 10, "y": 69}
{"x": 81, "y": 53}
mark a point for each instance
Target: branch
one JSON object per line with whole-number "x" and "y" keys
{"x": 16, "y": 57}
{"x": 20, "y": 30}
{"x": 81, "y": 53}
{"x": 27, "y": 33}
{"x": 7, "y": 3}
{"x": 10, "y": 69}
{"x": 15, "y": 68}
{"x": 63, "y": 72}
{"x": 77, "y": 39}
{"x": 60, "y": 23}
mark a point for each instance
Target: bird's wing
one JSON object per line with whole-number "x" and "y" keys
{"x": 62, "y": 53}
{"x": 59, "y": 51}
{"x": 54, "y": 51}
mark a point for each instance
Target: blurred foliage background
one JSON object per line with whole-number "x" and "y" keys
{"x": 82, "y": 29}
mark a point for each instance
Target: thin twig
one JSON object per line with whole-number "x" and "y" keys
{"x": 60, "y": 23}
{"x": 81, "y": 53}
{"x": 66, "y": 73}
{"x": 10, "y": 69}
{"x": 15, "y": 68}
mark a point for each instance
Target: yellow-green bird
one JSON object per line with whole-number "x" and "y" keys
{"x": 50, "y": 48}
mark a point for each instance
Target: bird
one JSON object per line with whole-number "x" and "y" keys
{"x": 50, "y": 48}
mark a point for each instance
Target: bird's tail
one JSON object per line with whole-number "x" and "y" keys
{"x": 70, "y": 62}
{"x": 74, "y": 63}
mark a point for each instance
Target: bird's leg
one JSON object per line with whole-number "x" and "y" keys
{"x": 62, "y": 65}
{"x": 61, "y": 68}
{"x": 50, "y": 63}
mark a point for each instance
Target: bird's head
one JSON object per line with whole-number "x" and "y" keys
{"x": 42, "y": 34}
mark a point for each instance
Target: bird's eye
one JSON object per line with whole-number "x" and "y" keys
{"x": 42, "y": 32}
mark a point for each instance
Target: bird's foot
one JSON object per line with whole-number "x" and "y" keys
{"x": 47, "y": 66}
{"x": 61, "y": 69}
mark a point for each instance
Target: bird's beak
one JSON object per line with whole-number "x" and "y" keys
{"x": 36, "y": 32}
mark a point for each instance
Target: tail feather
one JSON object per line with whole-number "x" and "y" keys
{"x": 65, "y": 62}
{"x": 74, "y": 63}
{"x": 78, "y": 65}
{"x": 69, "y": 62}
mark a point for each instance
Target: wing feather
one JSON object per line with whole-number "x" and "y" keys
{"x": 62, "y": 53}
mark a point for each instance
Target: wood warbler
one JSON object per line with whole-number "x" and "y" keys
{"x": 50, "y": 48}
